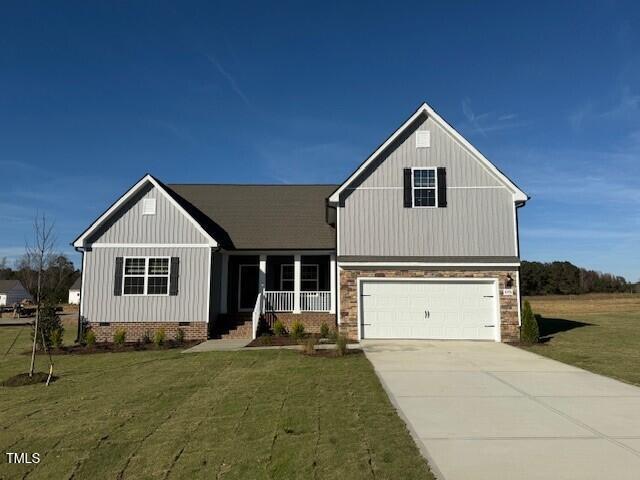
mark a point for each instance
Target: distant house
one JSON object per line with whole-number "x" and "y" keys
{"x": 12, "y": 291}
{"x": 74, "y": 292}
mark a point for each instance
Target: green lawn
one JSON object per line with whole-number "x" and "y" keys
{"x": 231, "y": 415}
{"x": 600, "y": 333}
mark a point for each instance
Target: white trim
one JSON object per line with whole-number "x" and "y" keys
{"x": 208, "y": 286}
{"x": 150, "y": 245}
{"x": 332, "y": 283}
{"x": 337, "y": 229}
{"x": 297, "y": 267}
{"x": 424, "y": 264}
{"x": 518, "y": 298}
{"x": 515, "y": 230}
{"x": 146, "y": 275}
{"x": 224, "y": 287}
{"x": 496, "y": 297}
{"x": 80, "y": 241}
{"x": 82, "y": 279}
{"x": 262, "y": 273}
{"x": 518, "y": 195}
{"x": 434, "y": 188}
{"x": 338, "y": 273}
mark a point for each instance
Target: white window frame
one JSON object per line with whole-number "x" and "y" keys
{"x": 282, "y": 279}
{"x": 413, "y": 187}
{"x": 146, "y": 276}
{"x": 317, "y": 279}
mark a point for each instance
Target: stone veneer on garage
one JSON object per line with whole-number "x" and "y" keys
{"x": 509, "y": 329}
{"x": 136, "y": 330}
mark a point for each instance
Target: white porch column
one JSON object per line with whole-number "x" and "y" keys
{"x": 297, "y": 273}
{"x": 224, "y": 280}
{"x": 332, "y": 284}
{"x": 262, "y": 274}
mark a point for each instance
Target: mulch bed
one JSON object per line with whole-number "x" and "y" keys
{"x": 332, "y": 353}
{"x": 286, "y": 340}
{"x": 112, "y": 348}
{"x": 23, "y": 379}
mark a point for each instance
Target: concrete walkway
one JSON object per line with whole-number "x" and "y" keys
{"x": 482, "y": 410}
{"x": 220, "y": 345}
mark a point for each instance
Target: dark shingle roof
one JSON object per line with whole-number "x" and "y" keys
{"x": 260, "y": 216}
{"x": 6, "y": 285}
{"x": 77, "y": 284}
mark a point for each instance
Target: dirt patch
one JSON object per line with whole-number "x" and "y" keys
{"x": 112, "y": 348}
{"x": 332, "y": 353}
{"x": 286, "y": 340}
{"x": 23, "y": 379}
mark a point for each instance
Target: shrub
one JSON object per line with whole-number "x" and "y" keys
{"x": 529, "y": 331}
{"x": 180, "y": 336}
{"x": 146, "y": 337}
{"x": 341, "y": 345}
{"x": 90, "y": 338}
{"x": 120, "y": 336}
{"x": 297, "y": 329}
{"x": 310, "y": 346}
{"x": 56, "y": 337}
{"x": 48, "y": 322}
{"x": 324, "y": 330}
{"x": 278, "y": 329}
{"x": 159, "y": 337}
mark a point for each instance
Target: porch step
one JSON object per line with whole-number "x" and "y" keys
{"x": 236, "y": 325}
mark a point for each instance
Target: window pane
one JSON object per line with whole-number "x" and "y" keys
{"x": 424, "y": 178}
{"x": 287, "y": 272}
{"x": 158, "y": 266}
{"x": 134, "y": 285}
{"x": 309, "y": 272}
{"x": 424, "y": 197}
{"x": 287, "y": 285}
{"x": 158, "y": 286}
{"x": 308, "y": 285}
{"x": 134, "y": 266}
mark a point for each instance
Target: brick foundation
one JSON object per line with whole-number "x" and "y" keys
{"x": 312, "y": 321}
{"x": 136, "y": 330}
{"x": 509, "y": 329}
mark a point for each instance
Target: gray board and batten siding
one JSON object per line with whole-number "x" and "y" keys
{"x": 479, "y": 219}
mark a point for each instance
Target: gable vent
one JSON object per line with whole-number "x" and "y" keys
{"x": 423, "y": 139}
{"x": 149, "y": 206}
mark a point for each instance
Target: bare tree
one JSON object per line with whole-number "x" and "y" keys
{"x": 39, "y": 253}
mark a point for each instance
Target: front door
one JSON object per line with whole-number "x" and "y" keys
{"x": 247, "y": 287}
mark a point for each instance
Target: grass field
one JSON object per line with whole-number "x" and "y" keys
{"x": 230, "y": 415}
{"x": 598, "y": 332}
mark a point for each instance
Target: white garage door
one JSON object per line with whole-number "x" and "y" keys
{"x": 428, "y": 309}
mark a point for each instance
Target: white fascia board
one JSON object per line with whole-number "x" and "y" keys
{"x": 518, "y": 195}
{"x": 79, "y": 242}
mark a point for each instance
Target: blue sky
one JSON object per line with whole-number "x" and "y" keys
{"x": 95, "y": 94}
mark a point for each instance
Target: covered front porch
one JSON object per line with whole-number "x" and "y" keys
{"x": 293, "y": 282}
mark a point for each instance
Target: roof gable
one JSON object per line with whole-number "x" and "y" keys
{"x": 425, "y": 110}
{"x": 145, "y": 181}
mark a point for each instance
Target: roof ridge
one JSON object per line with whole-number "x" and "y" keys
{"x": 257, "y": 184}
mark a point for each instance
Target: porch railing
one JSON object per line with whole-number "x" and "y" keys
{"x": 315, "y": 301}
{"x": 284, "y": 301}
{"x": 258, "y": 310}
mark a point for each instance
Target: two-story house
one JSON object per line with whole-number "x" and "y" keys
{"x": 420, "y": 242}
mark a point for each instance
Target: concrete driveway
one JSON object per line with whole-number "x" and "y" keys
{"x": 482, "y": 410}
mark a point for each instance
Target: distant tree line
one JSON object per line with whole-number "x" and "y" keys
{"x": 564, "y": 278}
{"x": 58, "y": 275}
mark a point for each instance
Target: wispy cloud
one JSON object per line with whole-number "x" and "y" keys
{"x": 625, "y": 105}
{"x": 233, "y": 84}
{"x": 486, "y": 122}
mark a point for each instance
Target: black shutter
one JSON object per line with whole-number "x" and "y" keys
{"x": 442, "y": 187}
{"x": 408, "y": 195}
{"x": 175, "y": 274}
{"x": 117, "y": 279}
